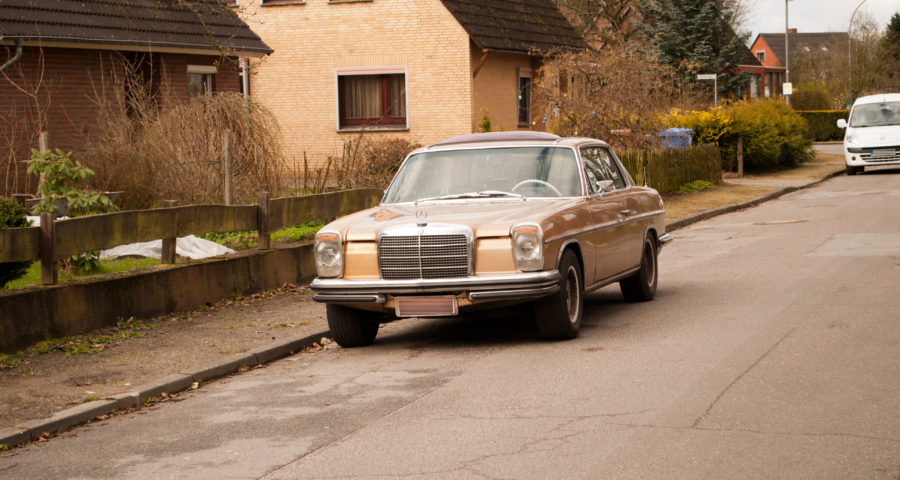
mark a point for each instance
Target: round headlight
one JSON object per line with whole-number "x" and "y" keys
{"x": 328, "y": 254}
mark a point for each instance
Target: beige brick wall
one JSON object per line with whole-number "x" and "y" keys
{"x": 313, "y": 39}
{"x": 495, "y": 89}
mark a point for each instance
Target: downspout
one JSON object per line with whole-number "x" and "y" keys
{"x": 16, "y": 57}
{"x": 245, "y": 77}
{"x": 480, "y": 63}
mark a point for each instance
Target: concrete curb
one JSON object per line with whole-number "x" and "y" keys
{"x": 32, "y": 430}
{"x": 79, "y": 414}
{"x": 752, "y": 203}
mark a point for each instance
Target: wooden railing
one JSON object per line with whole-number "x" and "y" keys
{"x": 58, "y": 239}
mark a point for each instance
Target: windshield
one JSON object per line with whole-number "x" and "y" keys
{"x": 488, "y": 172}
{"x": 875, "y": 115}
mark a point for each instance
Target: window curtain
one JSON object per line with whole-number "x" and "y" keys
{"x": 362, "y": 96}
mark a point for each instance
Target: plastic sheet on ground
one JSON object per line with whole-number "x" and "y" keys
{"x": 189, "y": 246}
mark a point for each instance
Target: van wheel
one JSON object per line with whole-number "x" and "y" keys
{"x": 641, "y": 287}
{"x": 854, "y": 170}
{"x": 351, "y": 327}
{"x": 559, "y": 315}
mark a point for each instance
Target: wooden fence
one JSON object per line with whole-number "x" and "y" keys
{"x": 58, "y": 239}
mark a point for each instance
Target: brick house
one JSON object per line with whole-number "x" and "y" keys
{"x": 58, "y": 56}
{"x": 418, "y": 69}
{"x": 806, "y": 49}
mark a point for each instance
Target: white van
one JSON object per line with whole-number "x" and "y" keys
{"x": 873, "y": 133}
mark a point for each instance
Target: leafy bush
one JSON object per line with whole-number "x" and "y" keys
{"x": 668, "y": 169}
{"x": 823, "y": 124}
{"x": 774, "y": 134}
{"x": 12, "y": 215}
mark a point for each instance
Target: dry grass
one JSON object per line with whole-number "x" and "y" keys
{"x": 682, "y": 205}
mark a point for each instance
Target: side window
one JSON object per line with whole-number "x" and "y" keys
{"x": 599, "y": 165}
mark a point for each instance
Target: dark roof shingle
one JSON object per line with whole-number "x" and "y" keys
{"x": 811, "y": 41}
{"x": 514, "y": 25}
{"x": 203, "y": 24}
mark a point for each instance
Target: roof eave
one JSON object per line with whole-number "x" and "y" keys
{"x": 161, "y": 47}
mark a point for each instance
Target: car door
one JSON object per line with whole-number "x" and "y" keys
{"x": 610, "y": 235}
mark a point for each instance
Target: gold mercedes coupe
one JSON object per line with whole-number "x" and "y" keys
{"x": 486, "y": 221}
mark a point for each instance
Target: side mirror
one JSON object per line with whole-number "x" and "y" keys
{"x": 842, "y": 123}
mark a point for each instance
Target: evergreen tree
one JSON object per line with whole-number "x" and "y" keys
{"x": 695, "y": 36}
{"x": 892, "y": 37}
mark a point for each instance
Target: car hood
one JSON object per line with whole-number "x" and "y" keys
{"x": 487, "y": 218}
{"x": 874, "y": 136}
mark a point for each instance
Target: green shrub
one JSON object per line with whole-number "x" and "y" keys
{"x": 823, "y": 124}
{"x": 809, "y": 98}
{"x": 774, "y": 134}
{"x": 12, "y": 215}
{"x": 669, "y": 169}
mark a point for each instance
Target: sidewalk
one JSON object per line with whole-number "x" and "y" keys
{"x": 140, "y": 362}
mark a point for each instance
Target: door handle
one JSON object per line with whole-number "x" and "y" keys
{"x": 627, "y": 213}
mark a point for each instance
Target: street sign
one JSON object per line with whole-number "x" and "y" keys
{"x": 787, "y": 88}
{"x": 706, "y": 76}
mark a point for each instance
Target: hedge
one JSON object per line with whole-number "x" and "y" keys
{"x": 823, "y": 124}
{"x": 670, "y": 168}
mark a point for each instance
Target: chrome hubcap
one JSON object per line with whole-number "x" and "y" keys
{"x": 572, "y": 289}
{"x": 649, "y": 266}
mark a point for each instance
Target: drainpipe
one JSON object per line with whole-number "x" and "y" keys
{"x": 16, "y": 57}
{"x": 245, "y": 77}
{"x": 480, "y": 63}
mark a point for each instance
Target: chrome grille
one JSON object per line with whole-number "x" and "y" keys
{"x": 405, "y": 257}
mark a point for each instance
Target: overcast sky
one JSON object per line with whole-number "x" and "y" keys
{"x": 767, "y": 16}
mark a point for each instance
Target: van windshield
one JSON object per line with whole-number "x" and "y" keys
{"x": 875, "y": 115}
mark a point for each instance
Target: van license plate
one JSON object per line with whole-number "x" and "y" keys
{"x": 425, "y": 306}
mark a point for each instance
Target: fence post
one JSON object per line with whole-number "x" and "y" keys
{"x": 740, "y": 156}
{"x": 262, "y": 221}
{"x": 226, "y": 164}
{"x": 167, "y": 255}
{"x": 49, "y": 267}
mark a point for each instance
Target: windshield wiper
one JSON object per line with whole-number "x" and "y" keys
{"x": 483, "y": 194}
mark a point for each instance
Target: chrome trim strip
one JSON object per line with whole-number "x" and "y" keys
{"x": 494, "y": 282}
{"x": 523, "y": 293}
{"x": 348, "y": 298}
{"x": 605, "y": 225}
{"x": 613, "y": 279}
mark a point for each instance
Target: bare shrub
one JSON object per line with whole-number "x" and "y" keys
{"x": 367, "y": 161}
{"x": 154, "y": 148}
{"x": 603, "y": 94}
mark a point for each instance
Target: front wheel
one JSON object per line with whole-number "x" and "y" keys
{"x": 641, "y": 287}
{"x": 351, "y": 327}
{"x": 559, "y": 315}
{"x": 854, "y": 170}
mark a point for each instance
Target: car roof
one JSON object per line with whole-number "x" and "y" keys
{"x": 881, "y": 97}
{"x": 519, "y": 138}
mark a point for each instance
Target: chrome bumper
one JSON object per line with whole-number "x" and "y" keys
{"x": 665, "y": 239}
{"x": 522, "y": 285}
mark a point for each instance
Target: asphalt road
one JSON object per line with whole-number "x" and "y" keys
{"x": 771, "y": 351}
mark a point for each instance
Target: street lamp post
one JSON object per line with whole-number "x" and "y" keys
{"x": 787, "y": 50}
{"x": 850, "y": 48}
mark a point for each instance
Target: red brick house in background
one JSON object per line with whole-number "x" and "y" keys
{"x": 57, "y": 56}
{"x": 770, "y": 52}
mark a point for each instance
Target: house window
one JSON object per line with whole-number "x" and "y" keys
{"x": 200, "y": 79}
{"x": 523, "y": 90}
{"x": 761, "y": 55}
{"x": 371, "y": 97}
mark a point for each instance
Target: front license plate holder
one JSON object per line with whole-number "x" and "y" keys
{"x": 433, "y": 306}
{"x": 883, "y": 152}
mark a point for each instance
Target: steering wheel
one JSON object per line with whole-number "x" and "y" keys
{"x": 540, "y": 182}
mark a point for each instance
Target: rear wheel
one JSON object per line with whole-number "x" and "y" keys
{"x": 854, "y": 170}
{"x": 351, "y": 327}
{"x": 641, "y": 287}
{"x": 559, "y": 315}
